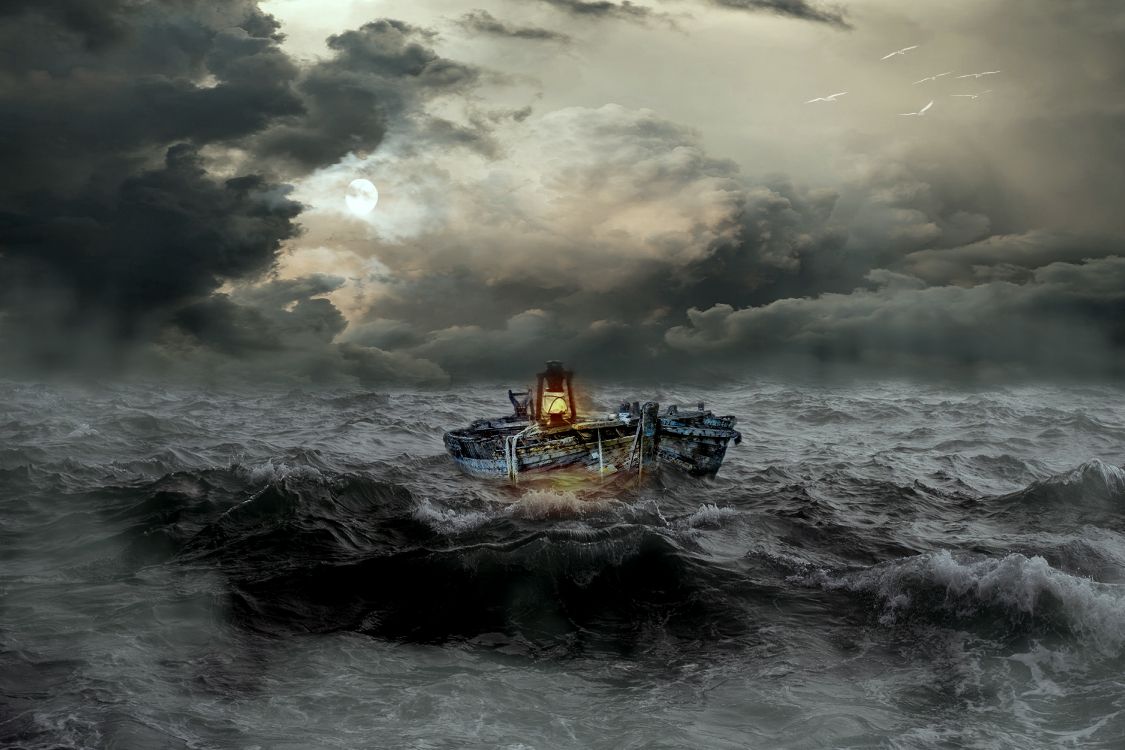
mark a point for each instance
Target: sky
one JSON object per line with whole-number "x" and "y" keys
{"x": 638, "y": 188}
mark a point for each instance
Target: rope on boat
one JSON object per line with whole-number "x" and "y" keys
{"x": 601, "y": 461}
{"x": 636, "y": 440}
{"x": 511, "y": 458}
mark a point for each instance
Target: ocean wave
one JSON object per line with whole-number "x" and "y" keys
{"x": 1024, "y": 592}
{"x": 820, "y": 415}
{"x": 1084, "y": 423}
{"x": 1095, "y": 476}
{"x": 138, "y": 424}
{"x": 1093, "y": 483}
{"x": 990, "y": 472}
{"x": 371, "y": 400}
{"x": 1090, "y": 552}
{"x": 277, "y": 470}
{"x": 547, "y": 586}
{"x": 14, "y": 458}
{"x": 450, "y": 521}
{"x": 709, "y": 515}
{"x": 540, "y": 504}
{"x": 82, "y": 430}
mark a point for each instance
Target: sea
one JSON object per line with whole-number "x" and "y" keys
{"x": 879, "y": 564}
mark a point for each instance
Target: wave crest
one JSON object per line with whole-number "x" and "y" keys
{"x": 1093, "y": 482}
{"x": 1022, "y": 591}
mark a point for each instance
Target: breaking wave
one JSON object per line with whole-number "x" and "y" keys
{"x": 1027, "y": 594}
{"x": 1093, "y": 492}
{"x": 710, "y": 515}
{"x": 1093, "y": 481}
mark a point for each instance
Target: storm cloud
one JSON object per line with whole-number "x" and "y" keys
{"x": 833, "y": 15}
{"x": 602, "y": 8}
{"x": 123, "y": 224}
{"x": 1066, "y": 319}
{"x": 483, "y": 22}
{"x": 180, "y": 171}
{"x": 379, "y": 73}
{"x": 627, "y": 10}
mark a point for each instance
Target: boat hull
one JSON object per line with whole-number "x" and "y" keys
{"x": 490, "y": 455}
{"x": 693, "y": 443}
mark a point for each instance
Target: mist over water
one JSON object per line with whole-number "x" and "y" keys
{"x": 885, "y": 564}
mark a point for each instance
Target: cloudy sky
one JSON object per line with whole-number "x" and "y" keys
{"x": 639, "y": 188}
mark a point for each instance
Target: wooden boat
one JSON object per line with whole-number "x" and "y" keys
{"x": 546, "y": 433}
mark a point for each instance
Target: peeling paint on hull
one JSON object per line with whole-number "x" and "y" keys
{"x": 694, "y": 443}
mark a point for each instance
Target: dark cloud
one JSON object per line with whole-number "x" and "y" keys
{"x": 1066, "y": 319}
{"x": 793, "y": 8}
{"x": 483, "y": 22}
{"x": 166, "y": 236}
{"x": 281, "y": 331}
{"x": 122, "y": 37}
{"x": 121, "y": 221}
{"x": 379, "y": 73}
{"x": 1013, "y": 257}
{"x": 97, "y": 24}
{"x": 627, "y": 10}
{"x": 83, "y": 120}
{"x": 114, "y": 220}
{"x": 602, "y": 9}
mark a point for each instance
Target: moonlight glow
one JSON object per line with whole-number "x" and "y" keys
{"x": 361, "y": 197}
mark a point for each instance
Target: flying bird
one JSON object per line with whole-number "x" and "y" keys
{"x": 932, "y": 78}
{"x": 978, "y": 75}
{"x": 919, "y": 113}
{"x": 902, "y": 51}
{"x": 829, "y": 98}
{"x": 975, "y": 96}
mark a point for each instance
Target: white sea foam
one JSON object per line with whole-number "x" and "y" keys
{"x": 1040, "y": 662}
{"x": 275, "y": 471}
{"x": 1025, "y": 588}
{"x": 82, "y": 430}
{"x": 540, "y": 504}
{"x": 449, "y": 521}
{"x": 709, "y": 514}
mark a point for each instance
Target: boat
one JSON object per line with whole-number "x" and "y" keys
{"x": 545, "y": 433}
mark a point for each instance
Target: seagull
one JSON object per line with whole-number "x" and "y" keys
{"x": 920, "y": 112}
{"x": 978, "y": 75}
{"x": 829, "y": 98}
{"x": 974, "y": 96}
{"x": 932, "y": 78}
{"x": 902, "y": 51}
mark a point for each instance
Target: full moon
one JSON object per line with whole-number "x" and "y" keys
{"x": 361, "y": 197}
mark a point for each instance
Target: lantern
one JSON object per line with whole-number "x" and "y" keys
{"x": 554, "y": 395}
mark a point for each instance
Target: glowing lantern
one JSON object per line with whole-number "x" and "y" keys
{"x": 554, "y": 395}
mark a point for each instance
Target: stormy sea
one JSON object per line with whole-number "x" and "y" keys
{"x": 881, "y": 564}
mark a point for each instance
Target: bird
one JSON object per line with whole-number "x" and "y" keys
{"x": 932, "y": 78}
{"x": 902, "y": 51}
{"x": 829, "y": 98}
{"x": 978, "y": 75}
{"x": 919, "y": 113}
{"x": 974, "y": 96}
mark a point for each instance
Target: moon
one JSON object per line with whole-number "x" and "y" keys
{"x": 361, "y": 196}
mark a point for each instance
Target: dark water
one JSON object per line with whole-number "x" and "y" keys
{"x": 889, "y": 565}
